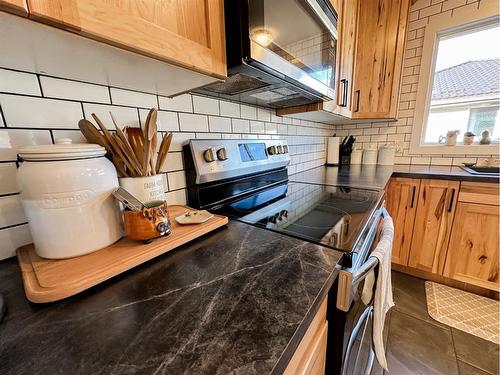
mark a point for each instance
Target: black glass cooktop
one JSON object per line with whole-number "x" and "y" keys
{"x": 333, "y": 216}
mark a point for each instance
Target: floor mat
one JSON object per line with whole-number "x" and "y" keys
{"x": 462, "y": 310}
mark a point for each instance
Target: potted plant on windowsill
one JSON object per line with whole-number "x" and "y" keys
{"x": 469, "y": 138}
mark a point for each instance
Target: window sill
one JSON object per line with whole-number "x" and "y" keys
{"x": 492, "y": 149}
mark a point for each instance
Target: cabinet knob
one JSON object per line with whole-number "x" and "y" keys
{"x": 222, "y": 154}
{"x": 209, "y": 155}
{"x": 272, "y": 150}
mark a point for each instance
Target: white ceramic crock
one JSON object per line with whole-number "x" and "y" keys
{"x": 145, "y": 189}
{"x": 66, "y": 193}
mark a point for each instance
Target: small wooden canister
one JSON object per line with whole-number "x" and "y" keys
{"x": 150, "y": 223}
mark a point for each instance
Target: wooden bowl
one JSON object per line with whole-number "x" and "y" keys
{"x": 152, "y": 222}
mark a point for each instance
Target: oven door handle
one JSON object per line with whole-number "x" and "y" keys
{"x": 349, "y": 278}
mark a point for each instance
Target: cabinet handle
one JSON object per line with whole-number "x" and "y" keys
{"x": 346, "y": 90}
{"x": 343, "y": 103}
{"x": 451, "y": 200}
{"x": 357, "y": 100}
{"x": 412, "y": 201}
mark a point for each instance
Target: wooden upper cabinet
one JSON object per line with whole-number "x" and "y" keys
{"x": 348, "y": 15}
{"x": 473, "y": 252}
{"x": 381, "y": 34}
{"x": 434, "y": 218}
{"x": 401, "y": 203}
{"x": 18, "y": 7}
{"x": 188, "y": 33}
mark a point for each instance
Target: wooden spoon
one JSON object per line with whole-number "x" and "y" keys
{"x": 125, "y": 145}
{"x": 136, "y": 140}
{"x": 163, "y": 153}
{"x": 149, "y": 131}
{"x": 92, "y": 135}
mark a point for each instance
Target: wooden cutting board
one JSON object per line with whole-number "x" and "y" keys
{"x": 49, "y": 280}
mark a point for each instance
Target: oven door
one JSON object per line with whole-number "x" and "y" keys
{"x": 295, "y": 40}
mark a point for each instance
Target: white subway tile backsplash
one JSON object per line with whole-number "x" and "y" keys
{"x": 240, "y": 126}
{"x": 72, "y": 90}
{"x": 12, "y": 238}
{"x": 256, "y": 127}
{"x": 229, "y": 109}
{"x": 13, "y": 139}
{"x": 177, "y": 180}
{"x": 248, "y": 112}
{"x": 31, "y": 112}
{"x": 133, "y": 98}
{"x": 177, "y": 197}
{"x": 8, "y": 183}
{"x": 11, "y": 211}
{"x": 181, "y": 103}
{"x": 208, "y": 135}
{"x": 263, "y": 114}
{"x": 19, "y": 83}
{"x": 179, "y": 140}
{"x": 173, "y": 162}
{"x": 75, "y": 135}
{"x": 205, "y": 105}
{"x": 219, "y": 124}
{"x": 124, "y": 116}
{"x": 193, "y": 122}
{"x": 166, "y": 121}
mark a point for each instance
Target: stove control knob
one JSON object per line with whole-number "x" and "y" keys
{"x": 222, "y": 154}
{"x": 272, "y": 150}
{"x": 209, "y": 155}
{"x": 280, "y": 149}
{"x": 285, "y": 149}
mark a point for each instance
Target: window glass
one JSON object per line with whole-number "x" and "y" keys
{"x": 466, "y": 85}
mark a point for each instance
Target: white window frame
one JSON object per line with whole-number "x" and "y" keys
{"x": 461, "y": 19}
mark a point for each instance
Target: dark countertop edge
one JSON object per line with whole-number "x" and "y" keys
{"x": 453, "y": 177}
{"x": 294, "y": 342}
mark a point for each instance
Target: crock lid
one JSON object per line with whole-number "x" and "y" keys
{"x": 63, "y": 149}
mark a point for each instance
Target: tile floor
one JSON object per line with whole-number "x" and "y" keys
{"x": 417, "y": 344}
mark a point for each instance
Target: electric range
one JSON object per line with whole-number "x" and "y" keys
{"x": 247, "y": 180}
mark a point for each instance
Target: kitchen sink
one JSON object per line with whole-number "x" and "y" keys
{"x": 484, "y": 171}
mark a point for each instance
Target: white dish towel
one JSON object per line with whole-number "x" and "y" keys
{"x": 383, "y": 300}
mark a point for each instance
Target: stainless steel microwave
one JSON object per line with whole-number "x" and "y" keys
{"x": 280, "y": 53}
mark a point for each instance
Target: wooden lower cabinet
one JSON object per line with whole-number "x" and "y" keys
{"x": 434, "y": 219}
{"x": 18, "y": 7}
{"x": 473, "y": 253}
{"x": 310, "y": 356}
{"x": 449, "y": 230}
{"x": 401, "y": 203}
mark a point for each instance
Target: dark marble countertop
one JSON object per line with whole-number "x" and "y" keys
{"x": 377, "y": 176}
{"x": 236, "y": 301}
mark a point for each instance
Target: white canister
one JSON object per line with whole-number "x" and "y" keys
{"x": 66, "y": 190}
{"x": 369, "y": 157}
{"x": 356, "y": 156}
{"x": 332, "y": 156}
{"x": 386, "y": 155}
{"x": 145, "y": 189}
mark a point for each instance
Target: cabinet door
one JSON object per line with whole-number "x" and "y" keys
{"x": 14, "y": 6}
{"x": 434, "y": 218}
{"x": 348, "y": 15}
{"x": 401, "y": 202}
{"x": 187, "y": 33}
{"x": 379, "y": 58}
{"x": 472, "y": 256}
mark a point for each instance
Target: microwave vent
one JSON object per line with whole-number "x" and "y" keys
{"x": 236, "y": 84}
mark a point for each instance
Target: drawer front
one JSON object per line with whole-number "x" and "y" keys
{"x": 479, "y": 192}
